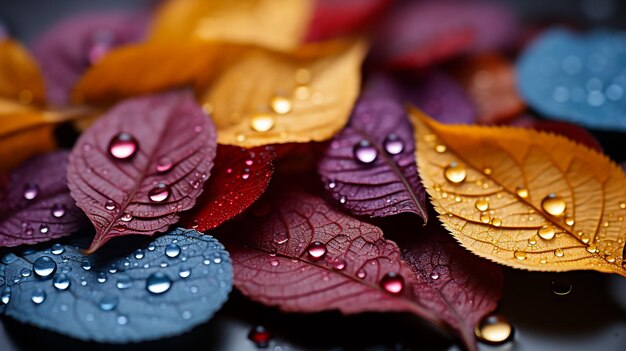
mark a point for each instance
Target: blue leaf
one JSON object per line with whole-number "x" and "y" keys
{"x": 577, "y": 78}
{"x": 171, "y": 285}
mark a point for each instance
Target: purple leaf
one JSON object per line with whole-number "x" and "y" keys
{"x": 441, "y": 97}
{"x": 369, "y": 167}
{"x": 36, "y": 205}
{"x": 67, "y": 49}
{"x": 141, "y": 164}
{"x": 450, "y": 281}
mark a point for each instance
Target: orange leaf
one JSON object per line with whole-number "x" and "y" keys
{"x": 20, "y": 77}
{"x": 524, "y": 198}
{"x": 274, "y": 24}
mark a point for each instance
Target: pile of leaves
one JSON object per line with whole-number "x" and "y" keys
{"x": 278, "y": 146}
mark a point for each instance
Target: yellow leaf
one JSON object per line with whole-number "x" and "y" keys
{"x": 20, "y": 78}
{"x": 268, "y": 97}
{"x": 524, "y": 198}
{"x": 275, "y": 24}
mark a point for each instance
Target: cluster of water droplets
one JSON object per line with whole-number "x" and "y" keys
{"x": 57, "y": 211}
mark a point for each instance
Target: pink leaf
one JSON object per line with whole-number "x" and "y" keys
{"x": 239, "y": 177}
{"x": 369, "y": 167}
{"x": 35, "y": 203}
{"x": 301, "y": 255}
{"x": 141, "y": 164}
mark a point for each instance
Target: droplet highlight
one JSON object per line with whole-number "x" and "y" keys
{"x": 158, "y": 283}
{"x": 553, "y": 204}
{"x": 365, "y": 152}
{"x": 455, "y": 173}
{"x": 123, "y": 146}
{"x": 159, "y": 193}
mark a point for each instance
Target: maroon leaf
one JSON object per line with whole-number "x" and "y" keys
{"x": 455, "y": 284}
{"x": 239, "y": 177}
{"x": 303, "y": 256}
{"x": 569, "y": 130}
{"x": 333, "y": 18}
{"x": 36, "y": 205}
{"x": 419, "y": 34}
{"x": 369, "y": 167}
{"x": 68, "y": 48}
{"x": 141, "y": 164}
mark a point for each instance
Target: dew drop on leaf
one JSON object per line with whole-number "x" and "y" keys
{"x": 521, "y": 192}
{"x": 38, "y": 296}
{"x": 172, "y": 250}
{"x": 494, "y": 329}
{"x": 365, "y": 152}
{"x": 455, "y": 173}
{"x": 61, "y": 281}
{"x": 546, "y": 232}
{"x": 159, "y": 193}
{"x": 561, "y": 286}
{"x": 57, "y": 249}
{"x": 393, "y": 144}
{"x": 262, "y": 122}
{"x": 553, "y": 204}
{"x": 108, "y": 302}
{"x": 259, "y": 336}
{"x": 393, "y": 283}
{"x": 5, "y": 296}
{"x": 44, "y": 228}
{"x": 58, "y": 210}
{"x": 126, "y": 217}
{"x": 44, "y": 266}
{"x": 123, "y": 146}
{"x": 184, "y": 272}
{"x": 316, "y": 250}
{"x": 158, "y": 283}
{"x": 31, "y": 191}
{"x": 110, "y": 205}
{"x": 520, "y": 255}
{"x": 482, "y": 205}
{"x": 124, "y": 282}
{"x": 339, "y": 264}
{"x": 164, "y": 164}
{"x": 559, "y": 252}
{"x": 281, "y": 105}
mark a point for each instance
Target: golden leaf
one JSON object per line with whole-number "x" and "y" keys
{"x": 524, "y": 198}
{"x": 268, "y": 97}
{"x": 275, "y": 24}
{"x": 256, "y": 96}
{"x": 20, "y": 78}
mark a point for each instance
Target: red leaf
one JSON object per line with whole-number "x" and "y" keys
{"x": 142, "y": 193}
{"x": 457, "y": 285}
{"x": 333, "y": 18}
{"x": 419, "y": 34}
{"x": 239, "y": 177}
{"x": 369, "y": 167}
{"x": 36, "y": 205}
{"x": 569, "y": 130}
{"x": 303, "y": 256}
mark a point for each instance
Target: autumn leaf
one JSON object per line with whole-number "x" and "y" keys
{"x": 141, "y": 164}
{"x": 20, "y": 77}
{"x": 524, "y": 198}
{"x": 269, "y": 97}
{"x": 274, "y": 24}
{"x": 239, "y": 177}
{"x": 332, "y": 18}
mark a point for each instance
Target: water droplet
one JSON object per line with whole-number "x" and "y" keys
{"x": 108, "y": 302}
{"x": 496, "y": 222}
{"x": 57, "y": 249}
{"x": 25, "y": 272}
{"x": 172, "y": 250}
{"x": 434, "y": 275}
{"x": 484, "y": 217}
{"x": 184, "y": 272}
{"x": 126, "y": 217}
{"x": 124, "y": 282}
{"x": 361, "y": 274}
{"x": 561, "y": 287}
{"x": 559, "y": 252}
{"x": 43, "y": 229}
{"x": 521, "y": 192}
{"x": 262, "y": 122}
{"x": 110, "y": 205}
{"x": 440, "y": 148}
{"x": 122, "y": 320}
{"x": 482, "y": 205}
{"x": 546, "y": 232}
{"x": 569, "y": 221}
{"x": 159, "y": 193}
{"x": 86, "y": 265}
{"x": 494, "y": 329}
{"x": 274, "y": 262}
{"x": 393, "y": 144}
{"x": 365, "y": 152}
{"x": 622, "y": 205}
{"x": 158, "y": 283}
{"x": 44, "y": 266}
{"x": 532, "y": 241}
{"x": 553, "y": 205}
{"x": 316, "y": 250}
{"x": 339, "y": 264}
{"x": 610, "y": 259}
{"x": 58, "y": 210}
{"x": 31, "y": 191}
{"x": 455, "y": 173}
{"x": 585, "y": 239}
{"x": 520, "y": 255}
{"x": 123, "y": 146}
{"x": 164, "y": 164}
{"x": 102, "y": 277}
{"x": 61, "y": 281}
{"x": 592, "y": 248}
{"x": 281, "y": 105}
{"x": 38, "y": 296}
{"x": 393, "y": 283}
{"x": 5, "y": 296}
{"x": 332, "y": 184}
{"x": 342, "y": 199}
{"x": 487, "y": 171}
{"x": 260, "y": 336}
